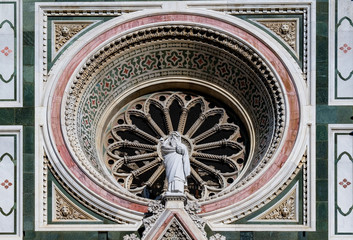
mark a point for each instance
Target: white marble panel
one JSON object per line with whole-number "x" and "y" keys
{"x": 345, "y": 57}
{"x": 344, "y": 187}
{"x": 10, "y": 182}
{"x": 7, "y": 51}
{"x": 340, "y": 181}
{"x": 341, "y": 52}
{"x": 10, "y": 54}
{"x": 7, "y": 183}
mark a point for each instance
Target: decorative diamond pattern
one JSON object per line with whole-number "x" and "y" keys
{"x": 6, "y": 51}
{"x": 345, "y": 183}
{"x": 345, "y": 48}
{"x": 6, "y": 184}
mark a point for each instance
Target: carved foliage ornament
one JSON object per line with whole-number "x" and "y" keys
{"x": 65, "y": 31}
{"x": 131, "y": 236}
{"x": 65, "y": 210}
{"x": 155, "y": 209}
{"x": 175, "y": 231}
{"x": 287, "y": 30}
{"x": 286, "y": 210}
{"x": 217, "y": 236}
{"x": 192, "y": 208}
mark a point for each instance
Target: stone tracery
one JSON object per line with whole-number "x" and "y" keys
{"x": 215, "y": 144}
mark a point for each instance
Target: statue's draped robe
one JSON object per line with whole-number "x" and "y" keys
{"x": 176, "y": 161}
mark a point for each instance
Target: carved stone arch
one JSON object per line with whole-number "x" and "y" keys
{"x": 277, "y": 83}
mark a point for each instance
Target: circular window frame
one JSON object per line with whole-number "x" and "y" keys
{"x": 179, "y": 84}
{"x": 60, "y": 157}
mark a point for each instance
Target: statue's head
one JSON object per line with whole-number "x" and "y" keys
{"x": 175, "y": 136}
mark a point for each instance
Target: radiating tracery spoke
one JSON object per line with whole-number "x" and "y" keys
{"x": 216, "y": 144}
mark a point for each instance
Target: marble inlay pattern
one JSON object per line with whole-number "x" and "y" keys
{"x": 9, "y": 74}
{"x": 344, "y": 178}
{"x": 340, "y": 181}
{"x": 10, "y": 183}
{"x": 341, "y": 40}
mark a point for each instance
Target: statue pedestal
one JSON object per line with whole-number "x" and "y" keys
{"x": 174, "y": 200}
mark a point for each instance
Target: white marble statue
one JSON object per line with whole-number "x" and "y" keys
{"x": 176, "y": 162}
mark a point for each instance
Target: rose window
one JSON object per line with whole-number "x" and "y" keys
{"x": 215, "y": 137}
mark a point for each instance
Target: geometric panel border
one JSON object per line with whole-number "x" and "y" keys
{"x": 340, "y": 52}
{"x": 340, "y": 192}
{"x": 10, "y": 53}
{"x": 11, "y": 182}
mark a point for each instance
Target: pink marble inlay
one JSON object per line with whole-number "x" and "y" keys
{"x": 345, "y": 48}
{"x": 6, "y": 184}
{"x": 6, "y": 51}
{"x": 345, "y": 183}
{"x": 257, "y": 43}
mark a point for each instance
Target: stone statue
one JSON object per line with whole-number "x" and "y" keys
{"x": 176, "y": 162}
